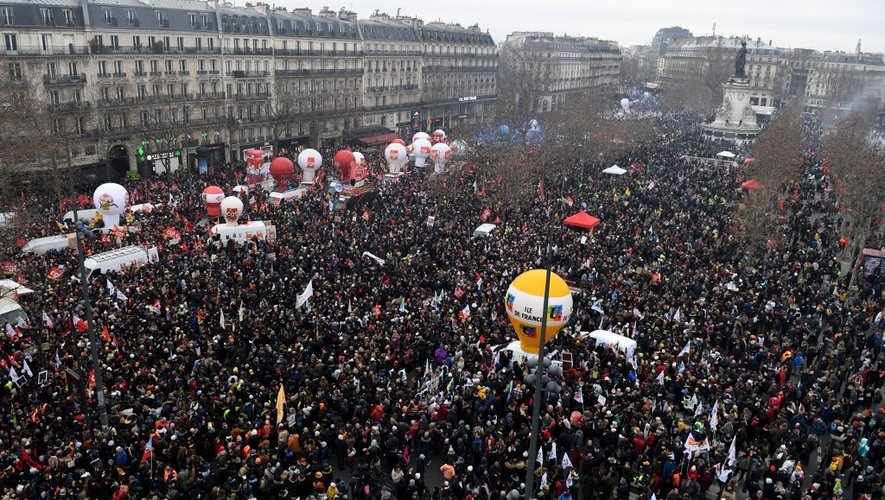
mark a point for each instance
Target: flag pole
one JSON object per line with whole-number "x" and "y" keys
{"x": 539, "y": 376}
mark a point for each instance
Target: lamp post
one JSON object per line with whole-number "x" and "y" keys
{"x": 93, "y": 340}
{"x": 539, "y": 380}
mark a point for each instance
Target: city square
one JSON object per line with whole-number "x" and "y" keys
{"x": 263, "y": 251}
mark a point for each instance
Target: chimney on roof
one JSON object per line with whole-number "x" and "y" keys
{"x": 327, "y": 13}
{"x": 304, "y": 11}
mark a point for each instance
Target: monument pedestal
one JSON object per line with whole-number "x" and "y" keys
{"x": 735, "y": 119}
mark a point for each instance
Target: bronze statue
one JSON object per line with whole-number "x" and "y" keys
{"x": 740, "y": 61}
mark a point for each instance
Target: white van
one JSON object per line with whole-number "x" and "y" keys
{"x": 48, "y": 243}
{"x": 119, "y": 258}
{"x": 84, "y": 214}
{"x": 244, "y": 232}
{"x": 11, "y": 312}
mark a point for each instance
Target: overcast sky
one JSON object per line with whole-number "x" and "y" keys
{"x": 817, "y": 24}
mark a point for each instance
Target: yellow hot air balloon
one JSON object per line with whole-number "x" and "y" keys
{"x": 525, "y": 301}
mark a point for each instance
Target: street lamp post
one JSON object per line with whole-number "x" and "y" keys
{"x": 93, "y": 340}
{"x": 539, "y": 380}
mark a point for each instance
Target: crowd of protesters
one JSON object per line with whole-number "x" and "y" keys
{"x": 767, "y": 363}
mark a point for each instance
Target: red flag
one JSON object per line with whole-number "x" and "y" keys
{"x": 485, "y": 214}
{"x": 541, "y": 188}
{"x": 79, "y": 324}
{"x": 55, "y": 273}
{"x": 91, "y": 380}
{"x": 105, "y": 334}
{"x": 366, "y": 215}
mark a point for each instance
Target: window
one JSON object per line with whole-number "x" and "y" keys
{"x": 193, "y": 19}
{"x": 152, "y": 41}
{"x": 204, "y": 21}
{"x": 184, "y": 89}
{"x": 168, "y": 66}
{"x": 159, "y": 17}
{"x": 180, "y": 42}
{"x": 78, "y": 124}
{"x": 46, "y": 16}
{"x": 166, "y": 43}
{"x": 170, "y": 89}
{"x": 115, "y": 41}
{"x": 108, "y": 123}
{"x": 11, "y": 43}
{"x": 105, "y": 94}
{"x": 198, "y": 43}
{"x": 156, "y": 89}
{"x": 78, "y": 98}
{"x": 72, "y": 68}
{"x": 69, "y": 17}
{"x": 154, "y": 67}
{"x": 6, "y": 16}
{"x": 108, "y": 18}
{"x": 57, "y": 125}
{"x": 136, "y": 41}
{"x": 202, "y": 65}
{"x": 212, "y": 64}
{"x": 118, "y": 67}
{"x": 121, "y": 93}
{"x": 46, "y": 41}
{"x": 130, "y": 16}
{"x": 210, "y": 42}
{"x": 15, "y": 71}
{"x": 102, "y": 68}
{"x": 182, "y": 65}
{"x": 142, "y": 91}
{"x": 202, "y": 88}
{"x": 145, "y": 117}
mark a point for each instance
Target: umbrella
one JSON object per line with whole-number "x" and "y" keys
{"x": 751, "y": 184}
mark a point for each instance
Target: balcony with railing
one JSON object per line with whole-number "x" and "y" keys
{"x": 244, "y": 51}
{"x": 32, "y": 51}
{"x": 158, "y": 48}
{"x": 65, "y": 79}
{"x": 249, "y": 74}
{"x": 398, "y": 53}
{"x": 69, "y": 107}
{"x": 318, "y": 72}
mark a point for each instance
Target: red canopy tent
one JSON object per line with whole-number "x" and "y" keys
{"x": 751, "y": 184}
{"x": 581, "y": 220}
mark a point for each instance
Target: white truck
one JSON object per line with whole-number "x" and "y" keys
{"x": 119, "y": 258}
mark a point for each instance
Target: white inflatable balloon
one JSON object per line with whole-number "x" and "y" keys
{"x": 396, "y": 156}
{"x": 420, "y": 151}
{"x": 231, "y": 209}
{"x": 440, "y": 153}
{"x": 110, "y": 200}
{"x": 420, "y": 135}
{"x": 625, "y": 105}
{"x": 360, "y": 159}
{"x": 309, "y": 160}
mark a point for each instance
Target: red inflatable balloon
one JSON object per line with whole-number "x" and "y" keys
{"x": 282, "y": 169}
{"x": 344, "y": 160}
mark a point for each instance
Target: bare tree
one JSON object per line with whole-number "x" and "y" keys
{"x": 521, "y": 80}
{"x": 778, "y": 161}
{"x": 858, "y": 171}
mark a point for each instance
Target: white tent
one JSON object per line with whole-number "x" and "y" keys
{"x": 725, "y": 154}
{"x": 605, "y": 337}
{"x": 483, "y": 230}
{"x": 614, "y": 170}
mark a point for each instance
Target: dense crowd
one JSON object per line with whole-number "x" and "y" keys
{"x": 391, "y": 391}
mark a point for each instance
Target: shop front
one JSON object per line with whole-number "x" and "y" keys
{"x": 205, "y": 156}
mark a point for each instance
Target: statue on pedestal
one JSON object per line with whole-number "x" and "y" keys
{"x": 740, "y": 61}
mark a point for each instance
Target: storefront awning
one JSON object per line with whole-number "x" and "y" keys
{"x": 378, "y": 139}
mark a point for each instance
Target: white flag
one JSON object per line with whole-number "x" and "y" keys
{"x": 699, "y": 409}
{"x": 597, "y": 306}
{"x": 221, "y": 319}
{"x": 305, "y": 295}
{"x": 113, "y": 292}
{"x": 57, "y": 361}
{"x": 732, "y": 452}
{"x": 27, "y": 369}
{"x": 13, "y": 374}
{"x": 10, "y": 330}
{"x": 579, "y": 396}
{"x": 678, "y": 316}
{"x": 654, "y": 497}
{"x": 660, "y": 378}
{"x": 543, "y": 481}
{"x": 552, "y": 454}
{"x": 685, "y": 350}
{"x": 566, "y": 461}
{"x": 722, "y": 473}
{"x": 242, "y": 312}
{"x": 714, "y": 416}
{"x": 539, "y": 458}
{"x": 47, "y": 321}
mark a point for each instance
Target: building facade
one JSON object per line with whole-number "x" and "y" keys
{"x": 819, "y": 79}
{"x": 548, "y": 70}
{"x": 181, "y": 80}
